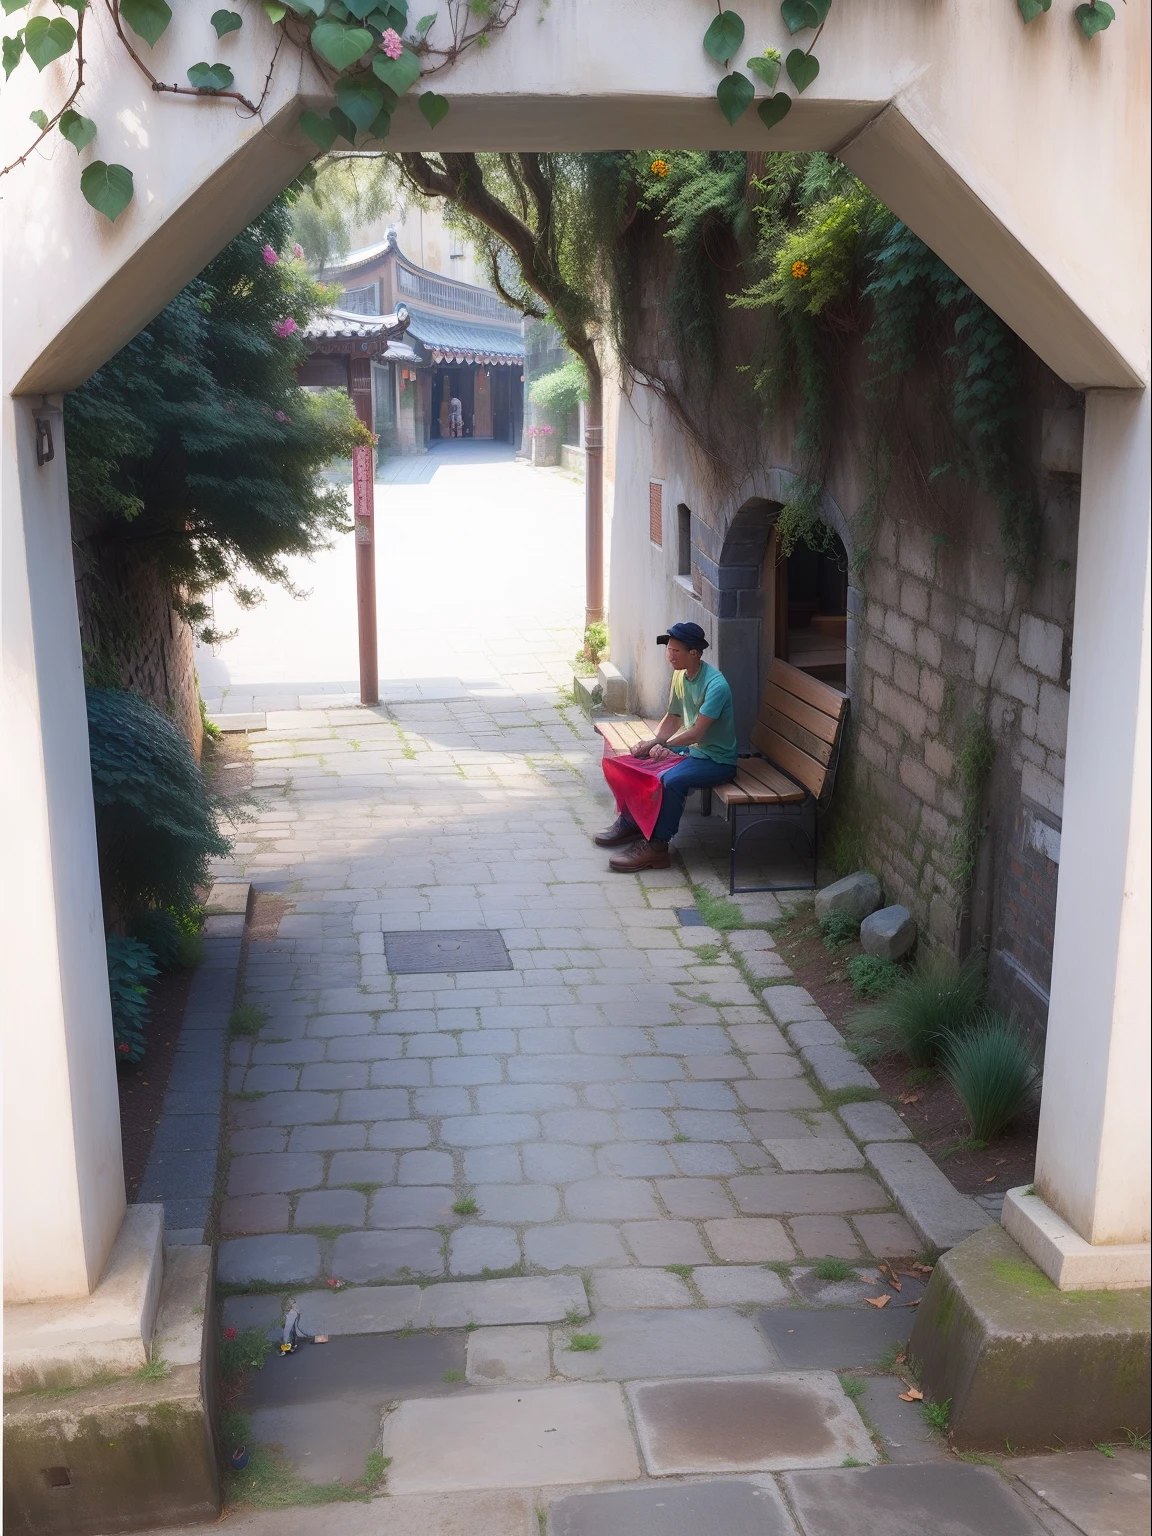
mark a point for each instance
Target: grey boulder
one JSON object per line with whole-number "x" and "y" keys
{"x": 889, "y": 933}
{"x": 857, "y": 895}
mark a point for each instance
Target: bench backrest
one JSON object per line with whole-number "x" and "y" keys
{"x": 798, "y": 725}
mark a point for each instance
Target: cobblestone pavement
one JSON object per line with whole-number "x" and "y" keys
{"x": 619, "y": 1100}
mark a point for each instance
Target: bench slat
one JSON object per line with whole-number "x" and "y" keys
{"x": 811, "y": 690}
{"x": 815, "y": 721}
{"x": 754, "y": 771}
{"x": 812, "y": 746}
{"x": 798, "y": 764}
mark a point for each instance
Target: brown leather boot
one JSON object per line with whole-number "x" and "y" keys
{"x": 644, "y": 855}
{"x": 622, "y": 830}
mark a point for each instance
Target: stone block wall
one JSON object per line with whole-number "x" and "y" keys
{"x": 131, "y": 634}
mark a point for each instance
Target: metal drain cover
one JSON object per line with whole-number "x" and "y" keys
{"x": 446, "y": 949}
{"x": 690, "y": 917}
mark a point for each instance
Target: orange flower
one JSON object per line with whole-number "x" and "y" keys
{"x": 799, "y": 270}
{"x": 659, "y": 168}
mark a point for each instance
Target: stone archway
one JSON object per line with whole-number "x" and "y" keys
{"x": 732, "y": 587}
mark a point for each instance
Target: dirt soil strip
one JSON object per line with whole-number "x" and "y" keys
{"x": 931, "y": 1110}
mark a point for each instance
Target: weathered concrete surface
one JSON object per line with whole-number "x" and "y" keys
{"x": 1109, "y": 1494}
{"x": 939, "y": 1212}
{"x": 134, "y": 1453}
{"x": 1024, "y": 1362}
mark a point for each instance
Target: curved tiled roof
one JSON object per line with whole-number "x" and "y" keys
{"x": 455, "y": 340}
{"x": 342, "y": 325}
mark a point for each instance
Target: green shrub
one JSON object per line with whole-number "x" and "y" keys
{"x": 131, "y": 966}
{"x": 926, "y": 1008}
{"x": 155, "y": 818}
{"x": 993, "y": 1072}
{"x": 871, "y": 976}
{"x": 560, "y": 392}
{"x": 243, "y": 1348}
{"x": 838, "y": 929}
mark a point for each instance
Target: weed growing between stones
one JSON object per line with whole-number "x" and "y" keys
{"x": 465, "y": 1206}
{"x": 155, "y": 1370}
{"x": 243, "y": 1349}
{"x": 268, "y": 1482}
{"x": 834, "y": 1270}
{"x": 683, "y": 1270}
{"x": 573, "y": 1316}
{"x": 717, "y": 911}
{"x": 452, "y": 1375}
{"x": 838, "y": 929}
{"x": 853, "y": 1387}
{"x": 584, "y": 1343}
{"x": 834, "y": 1097}
{"x": 935, "y": 1415}
{"x": 247, "y": 1021}
{"x": 872, "y": 976}
{"x": 781, "y": 1267}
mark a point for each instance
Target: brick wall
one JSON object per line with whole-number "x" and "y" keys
{"x": 131, "y": 634}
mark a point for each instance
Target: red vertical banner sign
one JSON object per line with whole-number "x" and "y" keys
{"x": 363, "y": 474}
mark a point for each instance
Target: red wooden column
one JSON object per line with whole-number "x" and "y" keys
{"x": 363, "y": 474}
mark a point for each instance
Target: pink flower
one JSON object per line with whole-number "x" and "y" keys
{"x": 270, "y": 256}
{"x": 280, "y": 416}
{"x": 298, "y": 251}
{"x": 391, "y": 44}
{"x": 285, "y": 327}
{"x": 229, "y": 1333}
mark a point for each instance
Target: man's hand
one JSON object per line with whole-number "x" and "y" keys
{"x": 660, "y": 752}
{"x": 643, "y": 748}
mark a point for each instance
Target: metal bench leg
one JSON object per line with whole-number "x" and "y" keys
{"x": 732, "y": 853}
{"x": 706, "y": 800}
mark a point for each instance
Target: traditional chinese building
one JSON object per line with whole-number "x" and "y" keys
{"x": 459, "y": 340}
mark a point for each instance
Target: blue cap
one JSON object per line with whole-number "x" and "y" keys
{"x": 690, "y": 635}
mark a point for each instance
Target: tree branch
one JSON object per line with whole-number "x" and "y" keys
{"x": 60, "y": 113}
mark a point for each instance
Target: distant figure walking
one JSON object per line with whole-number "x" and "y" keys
{"x": 455, "y": 417}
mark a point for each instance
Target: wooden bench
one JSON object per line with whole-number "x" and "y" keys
{"x": 788, "y": 779}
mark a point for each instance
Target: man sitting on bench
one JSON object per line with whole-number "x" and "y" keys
{"x": 699, "y": 730}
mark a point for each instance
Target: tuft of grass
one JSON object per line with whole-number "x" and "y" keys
{"x": 853, "y": 1387}
{"x": 872, "y": 976}
{"x": 834, "y": 1097}
{"x": 574, "y": 1316}
{"x": 834, "y": 1269}
{"x": 851, "y": 1461}
{"x": 935, "y": 1415}
{"x": 926, "y": 1009}
{"x": 683, "y": 1270}
{"x": 248, "y": 1097}
{"x": 782, "y": 1267}
{"x": 268, "y": 1482}
{"x": 364, "y": 1189}
{"x": 969, "y": 1144}
{"x": 838, "y": 929}
{"x": 707, "y": 954}
{"x": 890, "y": 1356}
{"x": 467, "y": 1205}
{"x": 155, "y": 1370}
{"x": 993, "y": 1072}
{"x": 247, "y": 1351}
{"x": 680, "y": 1136}
{"x": 717, "y": 911}
{"x": 1139, "y": 1440}
{"x": 247, "y": 1020}
{"x": 584, "y": 1343}
{"x": 452, "y": 1375}
{"x": 1104, "y": 1448}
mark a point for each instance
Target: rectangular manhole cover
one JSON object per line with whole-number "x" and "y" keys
{"x": 690, "y": 917}
{"x": 446, "y": 949}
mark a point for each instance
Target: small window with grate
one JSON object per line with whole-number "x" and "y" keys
{"x": 656, "y": 511}
{"x": 683, "y": 540}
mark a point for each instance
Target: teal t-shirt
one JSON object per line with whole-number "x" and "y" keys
{"x": 708, "y": 694}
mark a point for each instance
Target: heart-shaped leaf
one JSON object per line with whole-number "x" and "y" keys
{"x": 425, "y": 22}
{"x": 147, "y": 18}
{"x": 313, "y": 8}
{"x": 799, "y": 14}
{"x": 382, "y": 126}
{"x": 397, "y": 74}
{"x": 274, "y": 11}
{"x": 1030, "y": 9}
{"x": 79, "y": 131}
{"x": 13, "y": 52}
{"x": 361, "y": 9}
{"x": 319, "y": 129}
{"x": 1092, "y": 18}
{"x": 360, "y": 99}
{"x": 210, "y": 77}
{"x": 39, "y": 117}
{"x": 107, "y": 187}
{"x": 434, "y": 108}
{"x": 397, "y": 15}
{"x": 48, "y": 40}
{"x": 345, "y": 127}
{"x": 13, "y": 5}
{"x": 226, "y": 21}
{"x": 724, "y": 36}
{"x": 774, "y": 108}
{"x": 802, "y": 68}
{"x": 341, "y": 46}
{"x": 767, "y": 66}
{"x": 735, "y": 93}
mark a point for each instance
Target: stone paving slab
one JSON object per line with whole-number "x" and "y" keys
{"x": 577, "y": 1432}
{"x": 908, "y": 1501}
{"x": 940, "y": 1214}
{"x": 497, "y": 1356}
{"x": 835, "y": 1339}
{"x": 751, "y": 1424}
{"x": 507, "y": 1512}
{"x": 641, "y": 1343}
{"x": 1100, "y": 1495}
{"x": 723, "y": 1507}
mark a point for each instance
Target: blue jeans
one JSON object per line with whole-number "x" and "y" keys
{"x": 679, "y": 782}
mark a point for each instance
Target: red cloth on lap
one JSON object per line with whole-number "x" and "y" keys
{"x": 635, "y": 781}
